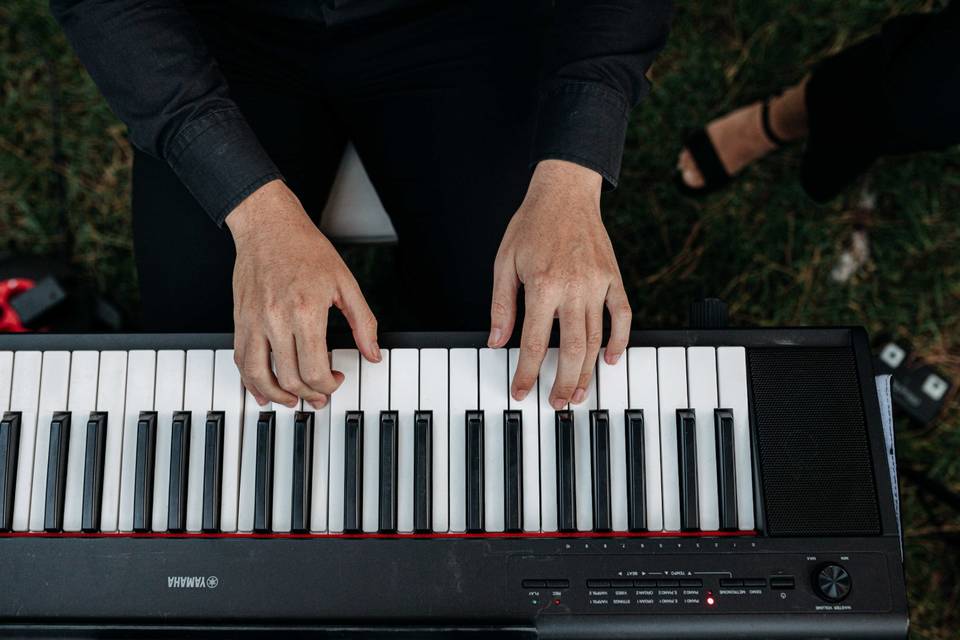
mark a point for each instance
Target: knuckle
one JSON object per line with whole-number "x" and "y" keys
{"x": 575, "y": 344}
{"x": 563, "y": 390}
{"x": 594, "y": 338}
{"x": 499, "y": 308}
{"x": 533, "y": 347}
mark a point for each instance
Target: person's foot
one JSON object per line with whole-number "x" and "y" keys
{"x": 739, "y": 137}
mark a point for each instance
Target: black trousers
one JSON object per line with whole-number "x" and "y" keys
{"x": 439, "y": 102}
{"x": 893, "y": 93}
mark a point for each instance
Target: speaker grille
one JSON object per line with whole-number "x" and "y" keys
{"x": 815, "y": 466}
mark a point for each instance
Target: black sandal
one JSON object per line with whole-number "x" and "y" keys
{"x": 715, "y": 176}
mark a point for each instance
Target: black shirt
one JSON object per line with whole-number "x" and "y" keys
{"x": 151, "y": 64}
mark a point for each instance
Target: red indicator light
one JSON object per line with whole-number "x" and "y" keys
{"x": 711, "y": 601}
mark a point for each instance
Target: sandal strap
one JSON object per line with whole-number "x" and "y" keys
{"x": 700, "y": 146}
{"x": 767, "y": 128}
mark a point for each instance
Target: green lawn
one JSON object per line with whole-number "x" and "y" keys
{"x": 762, "y": 245}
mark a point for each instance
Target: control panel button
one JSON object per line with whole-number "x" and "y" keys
{"x": 668, "y": 583}
{"x": 754, "y": 582}
{"x": 598, "y": 584}
{"x": 621, "y": 583}
{"x": 731, "y": 582}
{"x": 558, "y": 584}
{"x": 645, "y": 584}
{"x": 782, "y": 582}
{"x": 691, "y": 582}
{"x": 534, "y": 584}
{"x": 832, "y": 582}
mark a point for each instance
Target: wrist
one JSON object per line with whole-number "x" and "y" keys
{"x": 268, "y": 205}
{"x": 567, "y": 178}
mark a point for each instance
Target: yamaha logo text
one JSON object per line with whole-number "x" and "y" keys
{"x": 192, "y": 582}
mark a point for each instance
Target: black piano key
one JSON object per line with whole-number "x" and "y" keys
{"x": 143, "y": 474}
{"x": 9, "y": 454}
{"x": 353, "y": 473}
{"x": 387, "y": 521}
{"x": 96, "y": 442}
{"x": 474, "y": 468}
{"x": 726, "y": 468}
{"x": 302, "y": 471}
{"x": 512, "y": 471}
{"x": 212, "y": 471}
{"x": 600, "y": 469}
{"x": 687, "y": 468}
{"x": 179, "y": 469}
{"x": 263, "y": 477}
{"x": 636, "y": 482}
{"x": 56, "y": 471}
{"x": 423, "y": 471}
{"x": 566, "y": 473}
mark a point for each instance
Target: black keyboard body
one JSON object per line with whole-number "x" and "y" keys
{"x": 763, "y": 584}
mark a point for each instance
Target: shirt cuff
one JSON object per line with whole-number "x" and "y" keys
{"x": 585, "y": 123}
{"x": 220, "y": 161}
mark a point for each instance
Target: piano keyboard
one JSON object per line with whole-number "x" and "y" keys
{"x": 427, "y": 441}
{"x": 722, "y": 483}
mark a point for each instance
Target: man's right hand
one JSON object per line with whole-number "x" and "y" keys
{"x": 286, "y": 277}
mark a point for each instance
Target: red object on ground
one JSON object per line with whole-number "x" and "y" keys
{"x": 9, "y": 320}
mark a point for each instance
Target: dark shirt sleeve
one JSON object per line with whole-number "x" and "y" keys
{"x": 597, "y": 56}
{"x": 149, "y": 61}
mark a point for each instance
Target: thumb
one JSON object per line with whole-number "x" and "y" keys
{"x": 361, "y": 319}
{"x": 503, "y": 308}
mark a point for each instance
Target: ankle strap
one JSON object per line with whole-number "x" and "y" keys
{"x": 765, "y": 121}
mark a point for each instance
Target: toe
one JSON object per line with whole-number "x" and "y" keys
{"x": 689, "y": 171}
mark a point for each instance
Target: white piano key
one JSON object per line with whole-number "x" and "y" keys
{"x": 613, "y": 396}
{"x": 228, "y": 397}
{"x": 198, "y": 400}
{"x": 494, "y": 391}
{"x": 548, "y": 443}
{"x": 463, "y": 397}
{"x": 248, "y": 462}
{"x": 530, "y": 442}
{"x": 141, "y": 374}
{"x": 672, "y": 376}
{"x": 111, "y": 389}
{"x": 319, "y": 476}
{"x": 81, "y": 400}
{"x": 346, "y": 398}
{"x": 374, "y": 398}
{"x": 24, "y": 397}
{"x": 168, "y": 399}
{"x": 702, "y": 384}
{"x": 644, "y": 394}
{"x": 404, "y": 398}
{"x": 582, "y": 457}
{"x": 54, "y": 385}
{"x": 6, "y": 379}
{"x": 732, "y": 379}
{"x": 434, "y": 385}
{"x": 283, "y": 468}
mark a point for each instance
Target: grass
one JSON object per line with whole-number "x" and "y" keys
{"x": 762, "y": 245}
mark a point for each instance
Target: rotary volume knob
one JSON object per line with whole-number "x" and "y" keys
{"x": 832, "y": 582}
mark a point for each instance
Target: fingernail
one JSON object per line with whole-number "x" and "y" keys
{"x": 558, "y": 403}
{"x": 520, "y": 394}
{"x": 495, "y": 335}
{"x": 292, "y": 404}
{"x": 614, "y": 358}
{"x": 578, "y": 396}
{"x": 376, "y": 351}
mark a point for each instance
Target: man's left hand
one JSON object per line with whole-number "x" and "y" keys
{"x": 557, "y": 247}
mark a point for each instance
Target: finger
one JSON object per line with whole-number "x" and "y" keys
{"x": 313, "y": 360}
{"x": 257, "y": 372}
{"x": 621, "y": 318}
{"x": 573, "y": 349}
{"x": 361, "y": 319}
{"x": 286, "y": 368}
{"x": 238, "y": 355}
{"x": 534, "y": 340}
{"x": 503, "y": 307}
{"x": 594, "y": 334}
